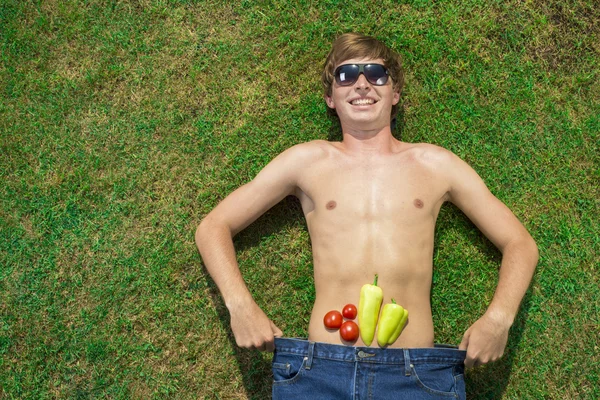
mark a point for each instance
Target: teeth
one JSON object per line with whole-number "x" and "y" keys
{"x": 362, "y": 102}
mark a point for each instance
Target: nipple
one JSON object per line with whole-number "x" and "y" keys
{"x": 418, "y": 203}
{"x": 331, "y": 205}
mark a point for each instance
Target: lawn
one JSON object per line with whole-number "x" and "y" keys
{"x": 123, "y": 123}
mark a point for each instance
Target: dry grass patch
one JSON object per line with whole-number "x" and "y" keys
{"x": 570, "y": 30}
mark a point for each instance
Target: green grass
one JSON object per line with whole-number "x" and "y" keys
{"x": 123, "y": 123}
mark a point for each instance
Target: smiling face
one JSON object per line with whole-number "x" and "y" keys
{"x": 363, "y": 105}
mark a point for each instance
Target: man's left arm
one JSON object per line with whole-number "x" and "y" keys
{"x": 486, "y": 339}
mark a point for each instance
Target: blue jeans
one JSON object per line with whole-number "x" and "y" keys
{"x": 313, "y": 370}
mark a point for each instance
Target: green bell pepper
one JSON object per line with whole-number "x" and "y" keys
{"x": 371, "y": 297}
{"x": 393, "y": 319}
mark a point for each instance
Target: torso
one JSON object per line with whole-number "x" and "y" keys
{"x": 373, "y": 215}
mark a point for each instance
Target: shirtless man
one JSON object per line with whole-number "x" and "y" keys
{"x": 371, "y": 203}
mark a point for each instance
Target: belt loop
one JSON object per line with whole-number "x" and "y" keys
{"x": 309, "y": 358}
{"x": 406, "y": 363}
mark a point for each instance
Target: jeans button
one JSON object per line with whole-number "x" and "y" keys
{"x": 363, "y": 354}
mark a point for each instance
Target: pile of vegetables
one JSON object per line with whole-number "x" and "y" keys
{"x": 335, "y": 320}
{"x": 389, "y": 326}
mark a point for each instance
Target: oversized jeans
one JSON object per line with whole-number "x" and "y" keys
{"x": 314, "y": 370}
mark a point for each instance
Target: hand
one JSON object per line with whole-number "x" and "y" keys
{"x": 252, "y": 328}
{"x": 485, "y": 341}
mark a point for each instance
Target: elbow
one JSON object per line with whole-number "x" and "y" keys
{"x": 203, "y": 229}
{"x": 200, "y": 231}
{"x": 199, "y": 234}
{"x": 535, "y": 251}
{"x": 208, "y": 228}
{"x": 530, "y": 248}
{"x": 525, "y": 245}
{"x": 203, "y": 226}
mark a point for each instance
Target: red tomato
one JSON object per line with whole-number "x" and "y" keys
{"x": 349, "y": 311}
{"x": 333, "y": 320}
{"x": 349, "y": 331}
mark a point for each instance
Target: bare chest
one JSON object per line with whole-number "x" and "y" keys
{"x": 393, "y": 191}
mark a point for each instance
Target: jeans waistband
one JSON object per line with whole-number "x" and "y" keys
{"x": 303, "y": 347}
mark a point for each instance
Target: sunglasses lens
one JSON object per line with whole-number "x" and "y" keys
{"x": 346, "y": 74}
{"x": 376, "y": 74}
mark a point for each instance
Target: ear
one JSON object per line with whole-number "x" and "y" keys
{"x": 396, "y": 98}
{"x": 329, "y": 101}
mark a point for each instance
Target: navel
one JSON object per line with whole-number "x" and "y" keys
{"x": 331, "y": 205}
{"x": 418, "y": 203}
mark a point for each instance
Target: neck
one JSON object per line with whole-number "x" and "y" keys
{"x": 376, "y": 141}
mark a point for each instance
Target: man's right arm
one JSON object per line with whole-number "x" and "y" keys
{"x": 250, "y": 325}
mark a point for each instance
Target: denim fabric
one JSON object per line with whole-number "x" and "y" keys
{"x": 313, "y": 370}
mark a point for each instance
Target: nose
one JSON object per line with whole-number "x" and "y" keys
{"x": 362, "y": 84}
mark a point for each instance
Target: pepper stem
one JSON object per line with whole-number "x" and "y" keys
{"x": 393, "y": 301}
{"x": 375, "y": 282}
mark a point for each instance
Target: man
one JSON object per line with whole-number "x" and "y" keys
{"x": 371, "y": 204}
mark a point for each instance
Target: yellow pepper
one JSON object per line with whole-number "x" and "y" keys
{"x": 393, "y": 319}
{"x": 371, "y": 297}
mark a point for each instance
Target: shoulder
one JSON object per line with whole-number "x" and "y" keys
{"x": 309, "y": 151}
{"x": 291, "y": 162}
{"x": 314, "y": 146}
{"x": 432, "y": 155}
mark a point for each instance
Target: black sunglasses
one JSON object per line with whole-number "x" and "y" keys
{"x": 347, "y": 74}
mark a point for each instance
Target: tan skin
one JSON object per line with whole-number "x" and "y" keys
{"x": 371, "y": 203}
